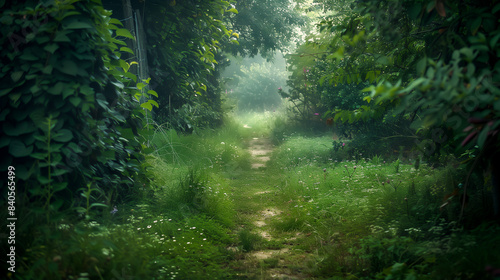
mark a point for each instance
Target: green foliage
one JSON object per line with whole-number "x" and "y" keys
{"x": 430, "y": 64}
{"x": 264, "y": 26}
{"x": 187, "y": 38}
{"x": 331, "y": 69}
{"x": 458, "y": 68}
{"x": 70, "y": 109}
{"x": 377, "y": 224}
{"x": 177, "y": 228}
{"x": 71, "y": 118}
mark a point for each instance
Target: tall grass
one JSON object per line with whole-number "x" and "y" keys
{"x": 176, "y": 229}
{"x": 372, "y": 218}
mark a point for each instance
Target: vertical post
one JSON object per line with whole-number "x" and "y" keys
{"x": 141, "y": 53}
{"x": 128, "y": 22}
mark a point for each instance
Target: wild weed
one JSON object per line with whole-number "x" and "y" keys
{"x": 376, "y": 160}
{"x": 249, "y": 241}
{"x": 396, "y": 166}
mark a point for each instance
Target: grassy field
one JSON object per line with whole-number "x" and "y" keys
{"x": 310, "y": 213}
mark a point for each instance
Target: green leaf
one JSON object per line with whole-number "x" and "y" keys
{"x": 98, "y": 205}
{"x": 56, "y": 89}
{"x": 18, "y": 149}
{"x": 131, "y": 76}
{"x": 475, "y": 24}
{"x": 68, "y": 67}
{"x": 152, "y": 92}
{"x": 115, "y": 21}
{"x": 35, "y": 190}
{"x": 496, "y": 8}
{"x": 370, "y": 76}
{"x": 147, "y": 105}
{"x": 63, "y": 135}
{"x": 15, "y": 96}
{"x": 29, "y": 57}
{"x": 124, "y": 33}
{"x": 38, "y": 117}
{"x": 39, "y": 156}
{"x": 232, "y": 10}
{"x": 483, "y": 135}
{"x": 61, "y": 37}
{"x": 118, "y": 84}
{"x": 140, "y": 86}
{"x": 62, "y": 185}
{"x": 4, "y": 92}
{"x": 80, "y": 209}
{"x": 414, "y": 84}
{"x": 34, "y": 89}
{"x": 154, "y": 103}
{"x": 494, "y": 40}
{"x": 48, "y": 69}
{"x": 54, "y": 206}
{"x": 16, "y": 76}
{"x": 51, "y": 48}
{"x": 75, "y": 101}
{"x": 18, "y": 129}
{"x": 125, "y": 66}
{"x": 125, "y": 49}
{"x": 74, "y": 147}
{"x": 383, "y": 60}
{"x": 78, "y": 25}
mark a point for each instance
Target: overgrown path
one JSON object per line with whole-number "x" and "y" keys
{"x": 263, "y": 251}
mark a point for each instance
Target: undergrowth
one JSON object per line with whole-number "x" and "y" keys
{"x": 368, "y": 218}
{"x": 178, "y": 227}
{"x": 355, "y": 217}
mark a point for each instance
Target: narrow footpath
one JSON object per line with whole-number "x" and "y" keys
{"x": 263, "y": 251}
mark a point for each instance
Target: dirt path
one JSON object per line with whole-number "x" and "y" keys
{"x": 264, "y": 253}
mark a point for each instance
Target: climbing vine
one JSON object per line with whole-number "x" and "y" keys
{"x": 70, "y": 109}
